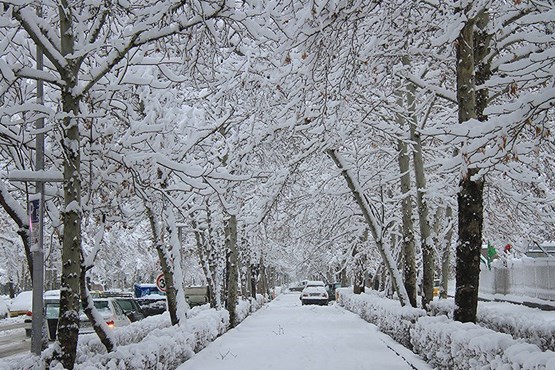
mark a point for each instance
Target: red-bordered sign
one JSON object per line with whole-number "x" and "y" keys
{"x": 161, "y": 283}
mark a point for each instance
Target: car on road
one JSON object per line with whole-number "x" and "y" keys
{"x": 111, "y": 312}
{"x": 298, "y": 287}
{"x": 314, "y": 293}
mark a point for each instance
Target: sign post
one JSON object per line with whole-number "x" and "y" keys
{"x": 36, "y": 223}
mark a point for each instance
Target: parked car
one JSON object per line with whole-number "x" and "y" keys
{"x": 298, "y": 287}
{"x": 314, "y": 293}
{"x": 130, "y": 308}
{"x": 51, "y": 297}
{"x": 22, "y": 303}
{"x": 330, "y": 288}
{"x": 111, "y": 312}
{"x": 197, "y": 295}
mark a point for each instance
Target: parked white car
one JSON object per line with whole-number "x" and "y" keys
{"x": 111, "y": 312}
{"x": 315, "y": 292}
{"x": 21, "y": 304}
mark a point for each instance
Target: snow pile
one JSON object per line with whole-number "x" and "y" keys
{"x": 518, "y": 321}
{"x": 448, "y": 344}
{"x": 386, "y": 314}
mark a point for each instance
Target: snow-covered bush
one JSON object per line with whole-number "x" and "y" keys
{"x": 247, "y": 306}
{"x": 164, "y": 348}
{"x": 448, "y": 344}
{"x": 151, "y": 343}
{"x": 517, "y": 320}
{"x": 386, "y": 314}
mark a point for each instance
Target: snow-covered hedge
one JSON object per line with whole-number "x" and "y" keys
{"x": 386, "y": 314}
{"x": 164, "y": 348}
{"x": 151, "y": 343}
{"x": 528, "y": 326}
{"x": 448, "y": 344}
{"x": 167, "y": 348}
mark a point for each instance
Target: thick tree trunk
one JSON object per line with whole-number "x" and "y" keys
{"x": 68, "y": 323}
{"x": 374, "y": 227}
{"x": 231, "y": 243}
{"x": 469, "y": 198}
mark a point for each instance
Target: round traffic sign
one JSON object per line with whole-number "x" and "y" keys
{"x": 161, "y": 283}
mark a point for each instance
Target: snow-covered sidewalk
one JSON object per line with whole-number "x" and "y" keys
{"x": 286, "y": 335}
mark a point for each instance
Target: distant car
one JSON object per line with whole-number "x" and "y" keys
{"x": 298, "y": 287}
{"x": 330, "y": 288}
{"x": 111, "y": 312}
{"x": 197, "y": 295}
{"x": 22, "y": 303}
{"x": 314, "y": 293}
{"x": 130, "y": 308}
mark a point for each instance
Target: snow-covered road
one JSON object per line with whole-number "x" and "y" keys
{"x": 284, "y": 335}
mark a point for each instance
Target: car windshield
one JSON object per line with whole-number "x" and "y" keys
{"x": 315, "y": 283}
{"x": 52, "y": 310}
{"x": 126, "y": 305}
{"x": 101, "y": 305}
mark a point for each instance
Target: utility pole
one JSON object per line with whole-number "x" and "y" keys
{"x": 38, "y": 337}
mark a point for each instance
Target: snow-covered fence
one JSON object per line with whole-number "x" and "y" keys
{"x": 524, "y": 326}
{"x": 531, "y": 277}
{"x": 448, "y": 344}
{"x": 386, "y": 314}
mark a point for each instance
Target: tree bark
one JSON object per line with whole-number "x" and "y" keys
{"x": 446, "y": 256}
{"x": 470, "y": 196}
{"x": 231, "y": 241}
{"x": 165, "y": 264}
{"x": 68, "y": 323}
{"x": 88, "y": 307}
{"x": 407, "y": 227}
{"x": 428, "y": 263}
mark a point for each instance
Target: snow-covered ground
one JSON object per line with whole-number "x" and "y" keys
{"x": 286, "y": 335}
